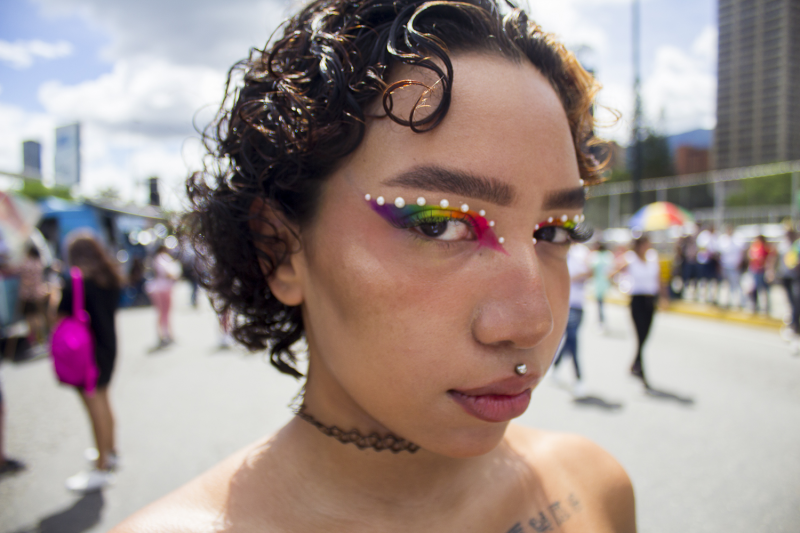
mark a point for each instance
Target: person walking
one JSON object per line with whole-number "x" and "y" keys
{"x": 166, "y": 271}
{"x": 642, "y": 266}
{"x": 601, "y": 261}
{"x": 579, "y": 272}
{"x": 102, "y": 286}
{"x": 760, "y": 260}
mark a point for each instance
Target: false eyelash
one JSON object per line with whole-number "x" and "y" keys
{"x": 576, "y": 232}
{"x": 419, "y": 220}
{"x": 580, "y": 233}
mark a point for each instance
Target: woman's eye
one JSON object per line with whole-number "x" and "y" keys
{"x": 445, "y": 230}
{"x": 553, "y": 234}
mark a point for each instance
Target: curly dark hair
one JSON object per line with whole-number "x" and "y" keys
{"x": 297, "y": 107}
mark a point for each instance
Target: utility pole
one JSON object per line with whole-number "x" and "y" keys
{"x": 638, "y": 162}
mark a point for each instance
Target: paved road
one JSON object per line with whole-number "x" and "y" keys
{"x": 717, "y": 451}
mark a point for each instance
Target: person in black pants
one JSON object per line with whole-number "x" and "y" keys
{"x": 643, "y": 308}
{"x": 644, "y": 270}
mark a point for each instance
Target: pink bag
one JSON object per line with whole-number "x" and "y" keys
{"x": 72, "y": 344}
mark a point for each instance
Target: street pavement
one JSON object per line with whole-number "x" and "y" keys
{"x": 715, "y": 449}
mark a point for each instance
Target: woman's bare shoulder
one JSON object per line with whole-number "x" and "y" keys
{"x": 576, "y": 465}
{"x": 199, "y": 506}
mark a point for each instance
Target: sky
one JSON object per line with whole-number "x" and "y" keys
{"x": 142, "y": 77}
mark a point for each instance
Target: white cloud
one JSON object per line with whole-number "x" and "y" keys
{"x": 201, "y": 32}
{"x": 144, "y": 96}
{"x": 680, "y": 94}
{"x": 21, "y": 54}
{"x": 125, "y": 161}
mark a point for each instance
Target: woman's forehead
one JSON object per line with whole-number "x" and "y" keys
{"x": 505, "y": 123}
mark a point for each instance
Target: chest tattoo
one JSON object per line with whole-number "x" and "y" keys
{"x": 555, "y": 514}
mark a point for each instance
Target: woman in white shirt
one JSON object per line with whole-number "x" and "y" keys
{"x": 642, "y": 266}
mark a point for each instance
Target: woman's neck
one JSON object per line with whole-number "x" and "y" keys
{"x": 350, "y": 474}
{"x": 382, "y": 485}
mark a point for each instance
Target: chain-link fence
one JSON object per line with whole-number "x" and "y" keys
{"x": 759, "y": 194}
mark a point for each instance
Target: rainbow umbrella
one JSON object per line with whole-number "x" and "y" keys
{"x": 659, "y": 215}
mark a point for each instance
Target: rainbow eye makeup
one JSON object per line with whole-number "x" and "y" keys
{"x": 439, "y": 221}
{"x": 562, "y": 230}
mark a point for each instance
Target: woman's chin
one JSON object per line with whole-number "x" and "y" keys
{"x": 468, "y": 443}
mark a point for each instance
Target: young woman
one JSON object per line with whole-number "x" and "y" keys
{"x": 641, "y": 264}
{"x": 398, "y": 184}
{"x": 101, "y": 284}
{"x": 166, "y": 271}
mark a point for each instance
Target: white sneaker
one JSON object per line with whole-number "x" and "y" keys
{"x": 90, "y": 481}
{"x": 91, "y": 455}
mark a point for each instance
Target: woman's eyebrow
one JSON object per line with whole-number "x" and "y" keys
{"x": 439, "y": 179}
{"x": 565, "y": 199}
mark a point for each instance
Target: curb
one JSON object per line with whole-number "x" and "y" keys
{"x": 711, "y": 312}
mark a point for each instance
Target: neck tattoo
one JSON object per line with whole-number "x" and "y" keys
{"x": 373, "y": 440}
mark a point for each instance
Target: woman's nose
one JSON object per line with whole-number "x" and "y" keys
{"x": 515, "y": 310}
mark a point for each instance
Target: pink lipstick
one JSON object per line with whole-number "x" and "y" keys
{"x": 492, "y": 407}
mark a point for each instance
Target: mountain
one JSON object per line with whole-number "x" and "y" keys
{"x": 694, "y": 138}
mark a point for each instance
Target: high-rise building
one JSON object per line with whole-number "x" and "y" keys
{"x": 68, "y": 155}
{"x": 758, "y": 83}
{"x": 32, "y": 159}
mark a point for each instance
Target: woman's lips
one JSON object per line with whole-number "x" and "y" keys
{"x": 493, "y": 407}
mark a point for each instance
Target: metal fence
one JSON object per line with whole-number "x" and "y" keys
{"x": 609, "y": 204}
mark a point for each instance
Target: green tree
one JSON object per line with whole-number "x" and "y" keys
{"x": 108, "y": 194}
{"x": 656, "y": 159}
{"x": 36, "y": 190}
{"x": 772, "y": 190}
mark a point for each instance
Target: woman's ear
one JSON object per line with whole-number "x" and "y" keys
{"x": 285, "y": 278}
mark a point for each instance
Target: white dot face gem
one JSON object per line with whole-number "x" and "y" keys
{"x": 583, "y": 217}
{"x": 420, "y": 201}
{"x": 501, "y": 240}
{"x": 464, "y": 208}
{"x": 399, "y": 202}
{"x": 536, "y": 227}
{"x": 491, "y": 223}
{"x": 367, "y": 197}
{"x": 482, "y": 213}
{"x": 582, "y": 183}
{"x": 577, "y": 218}
{"x": 550, "y": 219}
{"x": 444, "y": 203}
{"x": 379, "y": 200}
{"x": 521, "y": 370}
{"x": 564, "y": 218}
{"x": 534, "y": 240}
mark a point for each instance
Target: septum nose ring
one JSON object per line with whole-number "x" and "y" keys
{"x": 521, "y": 369}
